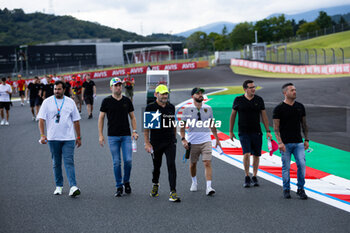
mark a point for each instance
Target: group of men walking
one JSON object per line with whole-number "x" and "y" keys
{"x": 59, "y": 112}
{"x": 40, "y": 89}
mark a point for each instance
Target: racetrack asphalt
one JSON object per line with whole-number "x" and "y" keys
{"x": 26, "y": 179}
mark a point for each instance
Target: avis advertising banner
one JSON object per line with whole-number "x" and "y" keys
{"x": 136, "y": 70}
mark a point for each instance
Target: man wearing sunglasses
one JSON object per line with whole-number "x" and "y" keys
{"x": 61, "y": 117}
{"x": 162, "y": 141}
{"x": 249, "y": 108}
{"x": 118, "y": 109}
{"x": 198, "y": 138}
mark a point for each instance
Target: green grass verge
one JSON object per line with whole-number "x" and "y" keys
{"x": 336, "y": 40}
{"x": 232, "y": 90}
{"x": 265, "y": 74}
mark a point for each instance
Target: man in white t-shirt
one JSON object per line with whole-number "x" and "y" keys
{"x": 5, "y": 91}
{"x": 199, "y": 137}
{"x": 61, "y": 117}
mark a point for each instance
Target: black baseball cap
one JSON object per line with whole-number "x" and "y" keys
{"x": 196, "y": 90}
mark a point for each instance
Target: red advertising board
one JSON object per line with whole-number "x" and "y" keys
{"x": 137, "y": 70}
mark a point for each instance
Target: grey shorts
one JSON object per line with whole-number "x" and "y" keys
{"x": 129, "y": 92}
{"x": 203, "y": 149}
{"x": 77, "y": 99}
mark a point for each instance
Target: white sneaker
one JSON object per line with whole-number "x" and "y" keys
{"x": 58, "y": 191}
{"x": 210, "y": 191}
{"x": 3, "y": 121}
{"x": 74, "y": 191}
{"x": 7, "y": 123}
{"x": 194, "y": 187}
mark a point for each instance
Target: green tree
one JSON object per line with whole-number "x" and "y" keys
{"x": 281, "y": 28}
{"x": 265, "y": 32}
{"x": 242, "y": 34}
{"x": 222, "y": 43}
{"x": 197, "y": 41}
{"x": 323, "y": 20}
{"x": 308, "y": 27}
{"x": 213, "y": 39}
{"x": 343, "y": 22}
{"x": 224, "y": 31}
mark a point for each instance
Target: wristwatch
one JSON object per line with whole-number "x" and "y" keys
{"x": 134, "y": 131}
{"x": 183, "y": 138}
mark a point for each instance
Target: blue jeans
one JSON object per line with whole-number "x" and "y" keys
{"x": 65, "y": 150}
{"x": 115, "y": 142}
{"x": 297, "y": 149}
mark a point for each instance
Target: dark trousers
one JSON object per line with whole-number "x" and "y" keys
{"x": 169, "y": 149}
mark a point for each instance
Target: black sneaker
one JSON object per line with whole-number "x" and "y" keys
{"x": 247, "y": 182}
{"x": 173, "y": 197}
{"x": 301, "y": 193}
{"x": 119, "y": 192}
{"x": 90, "y": 117}
{"x": 255, "y": 181}
{"x": 154, "y": 191}
{"x": 286, "y": 194}
{"x": 127, "y": 188}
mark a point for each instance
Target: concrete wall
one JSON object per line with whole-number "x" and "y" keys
{"x": 224, "y": 57}
{"x": 109, "y": 54}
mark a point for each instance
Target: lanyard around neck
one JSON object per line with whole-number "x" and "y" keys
{"x": 59, "y": 109}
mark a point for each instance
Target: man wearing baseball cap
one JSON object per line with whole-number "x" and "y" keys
{"x": 198, "y": 138}
{"x": 162, "y": 140}
{"x": 118, "y": 108}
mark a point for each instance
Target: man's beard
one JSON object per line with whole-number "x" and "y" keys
{"x": 163, "y": 100}
{"x": 59, "y": 96}
{"x": 198, "y": 100}
{"x": 118, "y": 93}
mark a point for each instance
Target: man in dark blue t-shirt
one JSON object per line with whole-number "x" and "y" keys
{"x": 288, "y": 119}
{"x": 118, "y": 109}
{"x": 249, "y": 108}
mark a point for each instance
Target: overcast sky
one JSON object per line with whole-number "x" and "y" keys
{"x": 152, "y": 16}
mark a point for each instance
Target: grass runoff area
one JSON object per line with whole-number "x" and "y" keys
{"x": 265, "y": 74}
{"x": 336, "y": 40}
{"x": 315, "y": 46}
{"x": 323, "y": 157}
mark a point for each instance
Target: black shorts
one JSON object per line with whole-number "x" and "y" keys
{"x": 89, "y": 99}
{"x": 35, "y": 101}
{"x": 21, "y": 93}
{"x": 251, "y": 143}
{"x": 5, "y": 105}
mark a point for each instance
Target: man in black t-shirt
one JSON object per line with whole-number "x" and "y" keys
{"x": 48, "y": 88}
{"x": 288, "y": 119}
{"x": 68, "y": 90}
{"x": 118, "y": 108}
{"x": 88, "y": 94}
{"x": 162, "y": 140}
{"x": 34, "y": 97}
{"x": 249, "y": 107}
